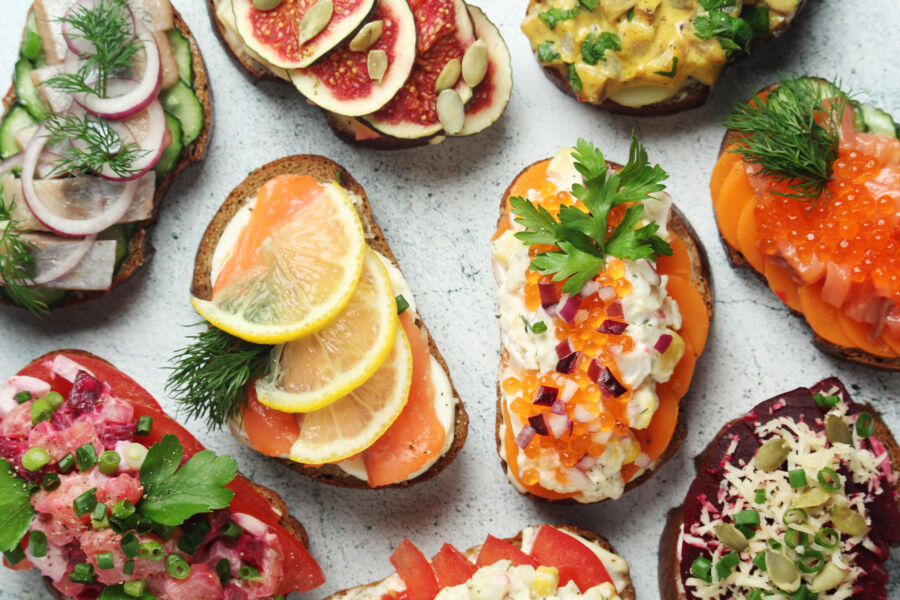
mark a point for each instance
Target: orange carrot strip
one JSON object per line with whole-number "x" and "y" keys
{"x": 748, "y": 237}
{"x": 677, "y": 264}
{"x": 782, "y": 283}
{"x": 720, "y": 171}
{"x": 736, "y": 192}
{"x": 821, "y": 316}
{"x": 859, "y": 333}
{"x": 694, "y": 314}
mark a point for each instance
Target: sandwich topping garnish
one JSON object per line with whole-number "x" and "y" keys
{"x": 17, "y": 261}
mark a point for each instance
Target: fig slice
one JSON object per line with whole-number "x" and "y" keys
{"x": 275, "y": 34}
{"x": 340, "y": 81}
{"x": 490, "y": 97}
{"x": 447, "y": 32}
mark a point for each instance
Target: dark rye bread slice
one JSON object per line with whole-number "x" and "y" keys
{"x": 692, "y": 95}
{"x": 289, "y": 523}
{"x": 358, "y": 592}
{"x": 140, "y": 248}
{"x": 737, "y": 259}
{"x": 323, "y": 170}
{"x": 700, "y": 280}
{"x": 669, "y": 567}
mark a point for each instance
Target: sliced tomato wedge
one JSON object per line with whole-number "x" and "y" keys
{"x": 414, "y": 570}
{"x": 495, "y": 549}
{"x": 451, "y": 567}
{"x": 575, "y": 561}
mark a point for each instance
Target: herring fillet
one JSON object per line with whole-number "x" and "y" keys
{"x": 94, "y": 272}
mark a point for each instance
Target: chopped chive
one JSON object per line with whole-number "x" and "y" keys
{"x": 123, "y": 509}
{"x": 128, "y": 567}
{"x": 85, "y": 457}
{"x": 40, "y": 411}
{"x": 701, "y": 568}
{"x": 760, "y": 496}
{"x": 812, "y": 561}
{"x": 865, "y": 425}
{"x": 747, "y": 530}
{"x": 797, "y": 478}
{"x": 99, "y": 512}
{"x": 539, "y": 327}
{"x": 109, "y": 462}
{"x": 23, "y": 397}
{"x": 135, "y": 588}
{"x": 105, "y": 561}
{"x": 66, "y": 463}
{"x": 177, "y": 567}
{"x": 402, "y": 304}
{"x": 152, "y": 551}
{"x": 129, "y": 544}
{"x": 85, "y": 503}
{"x": 144, "y": 425}
{"x": 35, "y": 458}
{"x": 794, "y": 538}
{"x": 82, "y": 573}
{"x": 824, "y": 401}
{"x": 37, "y": 544}
{"x": 828, "y": 538}
{"x": 795, "y": 516}
{"x": 760, "y": 561}
{"x": 725, "y": 564}
{"x": 54, "y": 399}
{"x": 223, "y": 570}
{"x": 249, "y": 573}
{"x": 775, "y": 544}
{"x": 232, "y": 530}
{"x": 829, "y": 479}
{"x": 50, "y": 481}
{"x": 747, "y": 517}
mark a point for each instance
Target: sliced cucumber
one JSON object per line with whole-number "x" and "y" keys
{"x": 877, "y": 121}
{"x": 121, "y": 233}
{"x": 32, "y": 45}
{"x": 181, "y": 48}
{"x": 49, "y": 296}
{"x": 173, "y": 150}
{"x": 26, "y": 90}
{"x": 859, "y": 123}
{"x": 15, "y": 121}
{"x": 181, "y": 102}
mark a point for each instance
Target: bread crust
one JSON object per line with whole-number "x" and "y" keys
{"x": 626, "y": 594}
{"x": 701, "y": 280}
{"x": 669, "y": 568}
{"x": 323, "y": 170}
{"x": 140, "y": 248}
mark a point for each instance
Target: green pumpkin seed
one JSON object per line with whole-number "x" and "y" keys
{"x": 837, "y": 430}
{"x": 475, "y": 63}
{"x": 846, "y": 520}
{"x": 266, "y": 4}
{"x": 815, "y": 496}
{"x": 784, "y": 573}
{"x": 377, "y": 63}
{"x": 828, "y": 578}
{"x": 315, "y": 20}
{"x": 772, "y": 454}
{"x": 732, "y": 537}
{"x": 367, "y": 36}
{"x": 449, "y": 75}
{"x": 451, "y": 111}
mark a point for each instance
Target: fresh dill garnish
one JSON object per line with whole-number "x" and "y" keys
{"x": 17, "y": 262}
{"x": 107, "y": 26}
{"x": 211, "y": 376}
{"x": 792, "y": 135}
{"x": 582, "y": 237}
{"x": 101, "y": 145}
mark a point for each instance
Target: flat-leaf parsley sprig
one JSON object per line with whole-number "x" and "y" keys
{"x": 582, "y": 237}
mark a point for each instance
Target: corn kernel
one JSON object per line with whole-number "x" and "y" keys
{"x": 546, "y": 579}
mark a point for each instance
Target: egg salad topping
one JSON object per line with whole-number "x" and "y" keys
{"x": 503, "y": 580}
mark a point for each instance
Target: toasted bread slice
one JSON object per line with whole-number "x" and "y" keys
{"x": 669, "y": 566}
{"x": 323, "y": 170}
{"x": 700, "y": 281}
{"x": 374, "y": 590}
{"x": 140, "y": 248}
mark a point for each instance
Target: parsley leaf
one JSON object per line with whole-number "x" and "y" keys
{"x": 711, "y": 5}
{"x": 555, "y": 15}
{"x": 670, "y": 73}
{"x": 16, "y": 512}
{"x": 574, "y": 79}
{"x": 757, "y": 18}
{"x": 546, "y": 52}
{"x": 595, "y": 46}
{"x": 581, "y": 236}
{"x": 733, "y": 33}
{"x": 630, "y": 16}
{"x": 589, "y": 4}
{"x": 171, "y": 494}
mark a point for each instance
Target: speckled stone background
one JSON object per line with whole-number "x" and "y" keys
{"x": 438, "y": 207}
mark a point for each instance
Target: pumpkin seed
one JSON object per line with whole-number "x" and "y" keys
{"x": 772, "y": 454}
{"x": 837, "y": 430}
{"x": 377, "y": 63}
{"x": 732, "y": 537}
{"x": 475, "y": 63}
{"x": 449, "y": 75}
{"x": 451, "y": 111}
{"x": 784, "y": 573}
{"x": 815, "y": 496}
{"x": 846, "y": 520}
{"x": 315, "y": 20}
{"x": 828, "y": 578}
{"x": 266, "y": 4}
{"x": 367, "y": 36}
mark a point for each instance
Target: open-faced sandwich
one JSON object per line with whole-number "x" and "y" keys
{"x": 110, "y": 102}
{"x": 798, "y": 498}
{"x": 647, "y": 57}
{"x": 807, "y": 193}
{"x": 386, "y": 73}
{"x": 542, "y": 562}
{"x": 315, "y": 353}
{"x": 604, "y": 308}
{"x": 110, "y": 498}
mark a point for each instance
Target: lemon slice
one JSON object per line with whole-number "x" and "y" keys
{"x": 318, "y": 369}
{"x": 353, "y": 423}
{"x": 303, "y": 276}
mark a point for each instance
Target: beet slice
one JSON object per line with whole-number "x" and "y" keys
{"x": 747, "y": 444}
{"x": 340, "y": 82}
{"x": 796, "y": 404}
{"x": 274, "y": 34}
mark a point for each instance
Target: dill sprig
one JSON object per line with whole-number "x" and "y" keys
{"x": 211, "y": 376}
{"x": 17, "y": 262}
{"x": 792, "y": 135}
{"x": 107, "y": 25}
{"x": 101, "y": 145}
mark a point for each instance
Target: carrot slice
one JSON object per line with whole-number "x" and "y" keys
{"x": 656, "y": 437}
{"x": 677, "y": 264}
{"x": 859, "y": 333}
{"x": 270, "y": 431}
{"x": 694, "y": 314}
{"x": 748, "y": 237}
{"x": 684, "y": 371}
{"x": 890, "y": 341}
{"x": 782, "y": 283}
{"x": 723, "y": 167}
{"x": 821, "y": 316}
{"x": 736, "y": 192}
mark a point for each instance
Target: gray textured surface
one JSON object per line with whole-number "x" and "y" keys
{"x": 438, "y": 207}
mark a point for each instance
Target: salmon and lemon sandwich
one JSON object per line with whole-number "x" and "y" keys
{"x": 314, "y": 352}
{"x": 604, "y": 308}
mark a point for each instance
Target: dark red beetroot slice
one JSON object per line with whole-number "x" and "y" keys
{"x": 797, "y": 405}
{"x": 744, "y": 450}
{"x": 705, "y": 486}
{"x": 831, "y": 386}
{"x": 274, "y": 34}
{"x": 490, "y": 97}
{"x": 412, "y": 113}
{"x": 340, "y": 82}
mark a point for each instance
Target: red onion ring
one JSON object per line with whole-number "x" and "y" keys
{"x": 153, "y": 145}
{"x": 71, "y": 261}
{"x": 77, "y": 44}
{"x": 11, "y": 163}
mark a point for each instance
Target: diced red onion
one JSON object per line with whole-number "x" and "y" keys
{"x": 525, "y": 436}
{"x": 568, "y": 363}
{"x": 549, "y": 293}
{"x": 564, "y": 348}
{"x": 71, "y": 260}
{"x": 586, "y": 462}
{"x": 559, "y": 425}
{"x": 546, "y": 396}
{"x": 615, "y": 310}
{"x": 582, "y": 414}
{"x": 152, "y": 145}
{"x": 612, "y": 327}
{"x": 568, "y": 391}
{"x": 654, "y": 279}
{"x": 250, "y": 524}
{"x": 589, "y": 289}
{"x": 559, "y": 407}
{"x": 539, "y": 423}
{"x": 594, "y": 369}
{"x": 607, "y": 293}
{"x": 569, "y": 308}
{"x": 662, "y": 344}
{"x": 603, "y": 377}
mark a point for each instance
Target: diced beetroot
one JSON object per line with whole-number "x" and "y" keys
{"x": 201, "y": 584}
{"x": 11, "y": 449}
{"x": 85, "y": 392}
{"x": 797, "y": 404}
{"x": 745, "y": 449}
{"x": 17, "y": 422}
{"x": 885, "y": 515}
{"x": 110, "y": 433}
{"x": 251, "y": 550}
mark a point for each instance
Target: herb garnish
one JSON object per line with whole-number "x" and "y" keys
{"x": 595, "y": 46}
{"x": 211, "y": 376}
{"x": 17, "y": 262}
{"x": 16, "y": 511}
{"x": 546, "y": 52}
{"x": 670, "y": 73}
{"x": 102, "y": 145}
{"x": 733, "y": 32}
{"x": 555, "y": 15}
{"x": 792, "y": 135}
{"x": 574, "y": 78}
{"x": 589, "y": 4}
{"x": 582, "y": 237}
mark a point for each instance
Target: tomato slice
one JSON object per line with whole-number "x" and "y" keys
{"x": 495, "y": 549}
{"x": 575, "y": 561}
{"x": 414, "y": 570}
{"x": 451, "y": 567}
